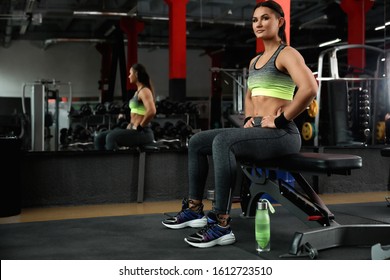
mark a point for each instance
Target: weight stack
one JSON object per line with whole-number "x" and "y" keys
{"x": 339, "y": 133}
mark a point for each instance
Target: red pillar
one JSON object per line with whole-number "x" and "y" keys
{"x": 356, "y": 11}
{"x": 177, "y": 48}
{"x": 131, "y": 27}
{"x": 286, "y": 6}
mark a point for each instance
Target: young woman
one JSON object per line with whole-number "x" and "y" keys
{"x": 269, "y": 130}
{"x": 142, "y": 111}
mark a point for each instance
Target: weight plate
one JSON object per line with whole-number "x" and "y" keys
{"x": 313, "y": 109}
{"x": 380, "y": 131}
{"x": 307, "y": 131}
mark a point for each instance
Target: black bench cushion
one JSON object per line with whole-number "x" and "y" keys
{"x": 314, "y": 162}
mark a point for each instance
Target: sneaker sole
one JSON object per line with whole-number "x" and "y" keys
{"x": 198, "y": 223}
{"x": 222, "y": 241}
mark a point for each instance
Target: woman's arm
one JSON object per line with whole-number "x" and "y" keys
{"x": 248, "y": 104}
{"x": 292, "y": 62}
{"x": 248, "y": 109}
{"x": 147, "y": 99}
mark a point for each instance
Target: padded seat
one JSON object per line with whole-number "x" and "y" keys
{"x": 315, "y": 163}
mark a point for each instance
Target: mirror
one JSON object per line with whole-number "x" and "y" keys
{"x": 68, "y": 58}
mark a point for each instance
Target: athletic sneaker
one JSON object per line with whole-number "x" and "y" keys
{"x": 186, "y": 217}
{"x": 212, "y": 234}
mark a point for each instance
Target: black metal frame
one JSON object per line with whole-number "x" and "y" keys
{"x": 308, "y": 206}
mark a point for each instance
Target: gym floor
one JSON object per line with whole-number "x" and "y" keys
{"x": 123, "y": 209}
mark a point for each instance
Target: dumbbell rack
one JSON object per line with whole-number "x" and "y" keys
{"x": 168, "y": 128}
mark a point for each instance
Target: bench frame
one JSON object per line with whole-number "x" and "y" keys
{"x": 142, "y": 150}
{"x": 307, "y": 205}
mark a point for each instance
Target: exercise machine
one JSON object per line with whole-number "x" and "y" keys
{"x": 239, "y": 87}
{"x": 325, "y": 232}
{"x": 356, "y": 98}
{"x": 42, "y": 116}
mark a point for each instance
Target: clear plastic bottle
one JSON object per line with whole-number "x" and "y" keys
{"x": 263, "y": 226}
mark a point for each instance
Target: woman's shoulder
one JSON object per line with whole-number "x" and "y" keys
{"x": 289, "y": 53}
{"x": 288, "y": 50}
{"x": 145, "y": 92}
{"x": 253, "y": 60}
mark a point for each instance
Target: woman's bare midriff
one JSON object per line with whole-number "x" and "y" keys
{"x": 265, "y": 105}
{"x": 136, "y": 119}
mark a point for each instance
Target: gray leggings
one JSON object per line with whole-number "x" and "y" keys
{"x": 227, "y": 145}
{"x": 118, "y": 137}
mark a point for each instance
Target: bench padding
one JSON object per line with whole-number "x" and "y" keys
{"x": 314, "y": 163}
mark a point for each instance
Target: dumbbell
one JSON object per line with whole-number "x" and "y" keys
{"x": 100, "y": 109}
{"x": 192, "y": 108}
{"x": 113, "y": 108}
{"x": 64, "y": 139}
{"x": 169, "y": 129}
{"x": 157, "y": 130}
{"x": 81, "y": 133}
{"x": 101, "y": 128}
{"x": 85, "y": 110}
{"x": 183, "y": 129}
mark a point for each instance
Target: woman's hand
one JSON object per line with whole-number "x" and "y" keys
{"x": 269, "y": 121}
{"x": 249, "y": 123}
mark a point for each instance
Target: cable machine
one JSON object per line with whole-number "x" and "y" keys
{"x": 239, "y": 88}
{"x": 43, "y": 116}
{"x": 354, "y": 100}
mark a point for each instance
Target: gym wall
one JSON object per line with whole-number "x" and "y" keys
{"x": 79, "y": 63}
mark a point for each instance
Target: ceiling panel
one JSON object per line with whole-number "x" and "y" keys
{"x": 211, "y": 24}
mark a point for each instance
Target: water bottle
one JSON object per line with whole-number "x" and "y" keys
{"x": 263, "y": 226}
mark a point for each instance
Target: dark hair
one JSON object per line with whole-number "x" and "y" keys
{"x": 143, "y": 76}
{"x": 278, "y": 9}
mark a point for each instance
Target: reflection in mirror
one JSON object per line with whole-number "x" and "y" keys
{"x": 215, "y": 32}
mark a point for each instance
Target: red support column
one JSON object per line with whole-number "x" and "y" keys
{"x": 356, "y": 11}
{"x": 177, "y": 48}
{"x": 286, "y": 6}
{"x": 131, "y": 27}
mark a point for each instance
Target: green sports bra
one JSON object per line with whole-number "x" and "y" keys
{"x": 270, "y": 81}
{"x": 136, "y": 106}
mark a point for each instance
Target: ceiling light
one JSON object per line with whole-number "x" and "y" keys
{"x": 96, "y": 13}
{"x": 382, "y": 27}
{"x": 329, "y": 43}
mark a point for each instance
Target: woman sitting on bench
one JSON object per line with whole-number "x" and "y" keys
{"x": 142, "y": 111}
{"x": 268, "y": 129}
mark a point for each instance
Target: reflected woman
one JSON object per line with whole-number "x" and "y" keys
{"x": 142, "y": 111}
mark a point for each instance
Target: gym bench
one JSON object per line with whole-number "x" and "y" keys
{"x": 141, "y": 168}
{"x": 142, "y": 150}
{"x": 306, "y": 204}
